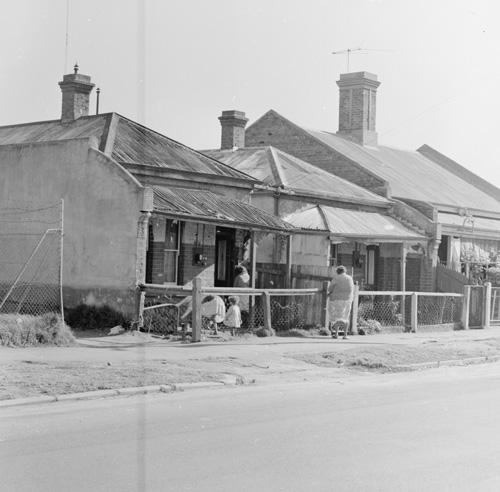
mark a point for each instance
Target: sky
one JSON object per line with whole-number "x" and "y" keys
{"x": 175, "y": 65}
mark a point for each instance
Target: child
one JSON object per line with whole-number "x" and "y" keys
{"x": 233, "y": 315}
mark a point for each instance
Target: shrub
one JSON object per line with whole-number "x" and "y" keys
{"x": 369, "y": 326}
{"x": 84, "y": 317}
{"x": 264, "y": 332}
{"x": 20, "y": 330}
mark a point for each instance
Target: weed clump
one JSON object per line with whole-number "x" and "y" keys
{"x": 23, "y": 330}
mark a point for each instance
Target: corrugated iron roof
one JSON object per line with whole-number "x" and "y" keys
{"x": 411, "y": 175}
{"x": 277, "y": 168}
{"x": 46, "y": 131}
{"x": 138, "y": 144}
{"x": 131, "y": 143}
{"x": 205, "y": 205}
{"x": 352, "y": 224}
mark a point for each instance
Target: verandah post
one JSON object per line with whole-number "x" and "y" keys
{"x": 196, "y": 312}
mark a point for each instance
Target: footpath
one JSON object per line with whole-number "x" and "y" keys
{"x": 133, "y": 363}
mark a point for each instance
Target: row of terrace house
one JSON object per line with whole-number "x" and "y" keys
{"x": 391, "y": 215}
{"x": 140, "y": 207}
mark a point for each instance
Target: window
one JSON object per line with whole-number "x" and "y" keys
{"x": 371, "y": 264}
{"x": 171, "y": 251}
{"x": 333, "y": 255}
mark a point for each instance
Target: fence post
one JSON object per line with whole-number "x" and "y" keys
{"x": 266, "y": 304}
{"x": 487, "y": 305}
{"x": 196, "y": 313}
{"x": 414, "y": 312}
{"x": 324, "y": 306}
{"x": 354, "y": 312}
{"x": 465, "y": 307}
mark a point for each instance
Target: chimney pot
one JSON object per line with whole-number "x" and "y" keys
{"x": 76, "y": 89}
{"x": 233, "y": 129}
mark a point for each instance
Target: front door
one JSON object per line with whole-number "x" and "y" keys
{"x": 225, "y": 260}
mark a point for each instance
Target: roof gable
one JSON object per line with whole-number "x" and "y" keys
{"x": 276, "y": 130}
{"x": 280, "y": 169}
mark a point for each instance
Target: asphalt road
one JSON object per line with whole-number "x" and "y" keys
{"x": 436, "y": 430}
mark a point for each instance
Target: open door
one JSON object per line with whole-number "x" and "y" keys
{"x": 225, "y": 260}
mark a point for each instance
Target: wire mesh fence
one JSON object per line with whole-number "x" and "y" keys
{"x": 376, "y": 311}
{"x": 383, "y": 312}
{"x": 164, "y": 314}
{"x": 438, "y": 310}
{"x": 289, "y": 312}
{"x": 30, "y": 260}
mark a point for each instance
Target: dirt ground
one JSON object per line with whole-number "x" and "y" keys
{"x": 127, "y": 361}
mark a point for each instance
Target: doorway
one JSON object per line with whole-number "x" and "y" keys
{"x": 225, "y": 258}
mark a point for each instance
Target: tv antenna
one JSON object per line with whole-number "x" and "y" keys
{"x": 349, "y": 51}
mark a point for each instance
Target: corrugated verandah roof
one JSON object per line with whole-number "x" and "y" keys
{"x": 352, "y": 224}
{"x": 280, "y": 169}
{"x": 206, "y": 206}
{"x": 129, "y": 142}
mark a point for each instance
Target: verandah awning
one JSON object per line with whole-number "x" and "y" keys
{"x": 352, "y": 224}
{"x": 206, "y": 206}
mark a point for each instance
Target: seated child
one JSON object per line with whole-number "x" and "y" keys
{"x": 233, "y": 315}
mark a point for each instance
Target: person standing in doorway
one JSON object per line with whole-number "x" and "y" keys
{"x": 340, "y": 295}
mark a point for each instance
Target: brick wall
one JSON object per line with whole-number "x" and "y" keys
{"x": 188, "y": 271}
{"x": 388, "y": 274}
{"x": 274, "y": 130}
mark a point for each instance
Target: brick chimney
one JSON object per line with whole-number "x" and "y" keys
{"x": 357, "y": 107}
{"x": 233, "y": 129}
{"x": 76, "y": 90}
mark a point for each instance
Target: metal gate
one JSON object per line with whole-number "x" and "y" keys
{"x": 476, "y": 306}
{"x": 495, "y": 306}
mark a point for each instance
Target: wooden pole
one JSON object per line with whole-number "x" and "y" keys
{"x": 403, "y": 284}
{"x": 487, "y": 305}
{"x": 354, "y": 312}
{"x": 466, "y": 307}
{"x": 266, "y": 304}
{"x": 253, "y": 275}
{"x": 196, "y": 312}
{"x": 324, "y": 306}
{"x": 414, "y": 312}
{"x": 288, "y": 281}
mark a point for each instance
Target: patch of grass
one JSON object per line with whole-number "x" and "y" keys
{"x": 295, "y": 332}
{"x": 27, "y": 378}
{"x": 22, "y": 330}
